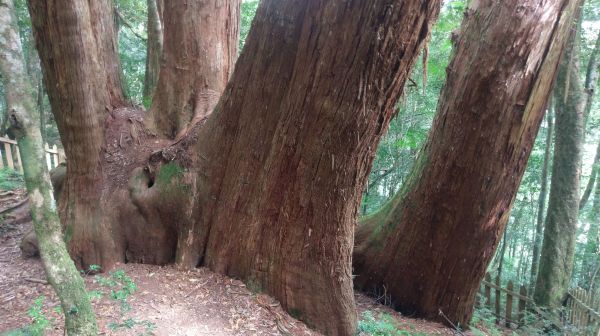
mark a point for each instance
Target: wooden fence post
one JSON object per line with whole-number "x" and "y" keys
{"x": 19, "y": 158}
{"x": 497, "y": 299}
{"x": 48, "y": 160}
{"x": 9, "y": 158}
{"x": 522, "y": 304}
{"x": 55, "y": 155}
{"x": 509, "y": 303}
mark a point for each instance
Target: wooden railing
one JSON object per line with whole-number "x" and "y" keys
{"x": 583, "y": 311}
{"x": 582, "y": 308}
{"x": 11, "y": 157}
{"x": 510, "y": 315}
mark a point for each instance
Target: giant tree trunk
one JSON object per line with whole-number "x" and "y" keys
{"x": 281, "y": 196}
{"x": 82, "y": 89}
{"x": 430, "y": 247}
{"x": 154, "y": 48}
{"x": 539, "y": 227}
{"x": 268, "y": 188}
{"x": 558, "y": 249}
{"x": 200, "y": 50}
{"x": 60, "y": 270}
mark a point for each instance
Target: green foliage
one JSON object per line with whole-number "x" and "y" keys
{"x": 131, "y": 323}
{"x": 483, "y": 323}
{"x": 10, "y": 179}
{"x": 121, "y": 287}
{"x": 383, "y": 326}
{"x": 132, "y": 49}
{"x": 248, "y": 10}
{"x": 40, "y": 323}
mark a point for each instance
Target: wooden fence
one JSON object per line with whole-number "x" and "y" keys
{"x": 583, "y": 311}
{"x": 510, "y": 315}
{"x": 582, "y": 308}
{"x": 11, "y": 157}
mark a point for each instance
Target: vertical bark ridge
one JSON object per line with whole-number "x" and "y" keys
{"x": 104, "y": 28}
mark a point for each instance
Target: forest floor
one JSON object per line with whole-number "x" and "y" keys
{"x": 163, "y": 301}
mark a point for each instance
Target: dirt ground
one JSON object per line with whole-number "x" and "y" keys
{"x": 166, "y": 302}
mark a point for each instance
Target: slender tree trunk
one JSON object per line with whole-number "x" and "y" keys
{"x": 501, "y": 256}
{"x": 591, "y": 256}
{"x": 200, "y": 50}
{"x": 591, "y": 79}
{"x": 431, "y": 245}
{"x": 153, "y": 49}
{"x": 40, "y": 107}
{"x": 60, "y": 270}
{"x": 539, "y": 227}
{"x": 592, "y": 181}
{"x": 557, "y": 255}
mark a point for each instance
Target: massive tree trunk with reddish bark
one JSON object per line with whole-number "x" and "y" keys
{"x": 81, "y": 75}
{"x": 267, "y": 187}
{"x": 430, "y": 246}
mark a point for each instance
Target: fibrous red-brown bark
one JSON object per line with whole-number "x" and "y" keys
{"x": 82, "y": 86}
{"x": 268, "y": 188}
{"x": 430, "y": 246}
{"x": 104, "y": 29}
{"x": 200, "y": 50}
{"x": 286, "y": 153}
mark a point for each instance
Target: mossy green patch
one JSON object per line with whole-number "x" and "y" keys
{"x": 168, "y": 172}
